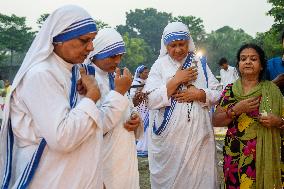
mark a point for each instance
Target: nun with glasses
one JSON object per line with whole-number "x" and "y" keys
{"x": 121, "y": 128}
{"x": 51, "y": 135}
{"x": 181, "y": 148}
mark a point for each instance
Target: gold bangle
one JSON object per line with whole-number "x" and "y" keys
{"x": 233, "y": 113}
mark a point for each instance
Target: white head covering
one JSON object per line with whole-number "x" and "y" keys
{"x": 139, "y": 70}
{"x": 107, "y": 43}
{"x": 65, "y": 23}
{"x": 175, "y": 31}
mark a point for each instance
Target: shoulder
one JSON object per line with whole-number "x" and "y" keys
{"x": 271, "y": 85}
{"x": 232, "y": 68}
{"x": 275, "y": 60}
{"x": 161, "y": 60}
{"x": 159, "y": 64}
{"x": 45, "y": 70}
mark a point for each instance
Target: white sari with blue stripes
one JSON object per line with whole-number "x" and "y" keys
{"x": 142, "y": 109}
{"x": 39, "y": 110}
{"x": 120, "y": 164}
{"x": 182, "y": 153}
{"x": 73, "y": 137}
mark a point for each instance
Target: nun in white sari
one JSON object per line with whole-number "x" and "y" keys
{"x": 120, "y": 165}
{"x": 141, "y": 74}
{"x": 57, "y": 136}
{"x": 181, "y": 140}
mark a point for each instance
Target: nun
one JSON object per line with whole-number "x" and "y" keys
{"x": 181, "y": 140}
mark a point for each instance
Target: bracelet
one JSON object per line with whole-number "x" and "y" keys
{"x": 231, "y": 114}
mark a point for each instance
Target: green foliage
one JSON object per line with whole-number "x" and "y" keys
{"x": 195, "y": 26}
{"x": 100, "y": 24}
{"x": 270, "y": 42}
{"x": 137, "y": 53}
{"x": 126, "y": 29}
{"x": 15, "y": 36}
{"x": 149, "y": 25}
{"x": 41, "y": 19}
{"x": 277, "y": 11}
{"x": 224, "y": 42}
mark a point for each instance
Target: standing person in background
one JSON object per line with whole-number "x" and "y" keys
{"x": 140, "y": 103}
{"x": 228, "y": 73}
{"x": 7, "y": 86}
{"x": 120, "y": 164}
{"x": 181, "y": 148}
{"x": 57, "y": 134}
{"x": 275, "y": 69}
{"x": 252, "y": 108}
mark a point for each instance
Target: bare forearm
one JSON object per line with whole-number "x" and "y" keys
{"x": 202, "y": 96}
{"x": 220, "y": 119}
{"x": 172, "y": 86}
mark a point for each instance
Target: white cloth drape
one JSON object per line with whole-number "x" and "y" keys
{"x": 142, "y": 109}
{"x": 120, "y": 164}
{"x": 39, "y": 108}
{"x": 183, "y": 156}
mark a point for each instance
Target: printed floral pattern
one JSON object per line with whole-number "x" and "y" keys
{"x": 240, "y": 147}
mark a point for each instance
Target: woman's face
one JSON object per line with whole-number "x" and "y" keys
{"x": 144, "y": 74}
{"x": 178, "y": 49}
{"x": 75, "y": 50}
{"x": 109, "y": 64}
{"x": 249, "y": 64}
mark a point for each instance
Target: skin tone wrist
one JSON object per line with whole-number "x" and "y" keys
{"x": 202, "y": 96}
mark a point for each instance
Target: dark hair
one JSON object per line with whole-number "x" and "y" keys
{"x": 261, "y": 55}
{"x": 223, "y": 61}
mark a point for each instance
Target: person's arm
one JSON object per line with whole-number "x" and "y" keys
{"x": 134, "y": 123}
{"x": 158, "y": 97}
{"x": 279, "y": 81}
{"x": 221, "y": 117}
{"x": 214, "y": 89}
{"x": 161, "y": 92}
{"x": 224, "y": 116}
{"x": 64, "y": 129}
{"x": 116, "y": 102}
{"x": 112, "y": 110}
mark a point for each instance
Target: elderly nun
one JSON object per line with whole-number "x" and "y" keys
{"x": 51, "y": 136}
{"x": 181, "y": 140}
{"x": 120, "y": 165}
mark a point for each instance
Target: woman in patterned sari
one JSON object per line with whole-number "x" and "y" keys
{"x": 252, "y": 108}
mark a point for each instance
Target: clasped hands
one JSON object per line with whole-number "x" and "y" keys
{"x": 191, "y": 93}
{"x": 251, "y": 105}
{"x": 139, "y": 97}
{"x": 133, "y": 122}
{"x": 88, "y": 86}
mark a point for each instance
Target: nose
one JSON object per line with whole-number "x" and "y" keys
{"x": 248, "y": 61}
{"x": 178, "y": 49}
{"x": 117, "y": 60}
{"x": 90, "y": 46}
